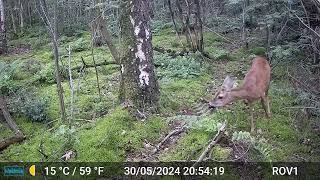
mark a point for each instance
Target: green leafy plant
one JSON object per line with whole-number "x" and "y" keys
{"x": 80, "y": 44}
{"x": 259, "y": 144}
{"x": 6, "y": 73}
{"x": 180, "y": 67}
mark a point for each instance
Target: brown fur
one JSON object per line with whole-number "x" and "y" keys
{"x": 255, "y": 87}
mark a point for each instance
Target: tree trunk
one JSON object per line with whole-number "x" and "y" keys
{"x": 174, "y": 21}
{"x": 200, "y": 45}
{"x": 183, "y": 21}
{"x": 21, "y": 17}
{"x": 14, "y": 27}
{"x": 244, "y": 31}
{"x": 3, "y": 37}
{"x": 107, "y": 38}
{"x": 52, "y": 29}
{"x": 138, "y": 85}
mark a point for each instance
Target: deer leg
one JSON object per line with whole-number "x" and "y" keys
{"x": 251, "y": 109}
{"x": 265, "y": 105}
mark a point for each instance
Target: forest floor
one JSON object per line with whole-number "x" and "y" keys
{"x": 104, "y": 131}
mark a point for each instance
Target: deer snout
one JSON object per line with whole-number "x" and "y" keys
{"x": 211, "y": 105}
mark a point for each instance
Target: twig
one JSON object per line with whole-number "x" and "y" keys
{"x": 300, "y": 107}
{"x": 315, "y": 32}
{"x": 225, "y": 38}
{"x": 94, "y": 62}
{"x": 90, "y": 121}
{"x": 71, "y": 87}
{"x": 307, "y": 88}
{"x": 92, "y": 65}
{"x": 174, "y": 132}
{"x": 212, "y": 143}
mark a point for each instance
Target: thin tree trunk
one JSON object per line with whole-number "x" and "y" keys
{"x": 94, "y": 61}
{"x": 12, "y": 14}
{"x": 193, "y": 41}
{"x": 53, "y": 32}
{"x": 107, "y": 37}
{"x": 72, "y": 92}
{"x": 173, "y": 20}
{"x": 244, "y": 32}
{"x": 29, "y": 13}
{"x": 21, "y": 17}
{"x": 183, "y": 21}
{"x": 3, "y": 37}
{"x": 200, "y": 27}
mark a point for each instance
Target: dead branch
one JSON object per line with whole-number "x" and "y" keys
{"x": 11, "y": 140}
{"x": 175, "y": 54}
{"x": 4, "y": 110}
{"x": 171, "y": 52}
{"x": 223, "y": 37}
{"x": 211, "y": 144}
{"x": 174, "y": 132}
{"x": 18, "y": 137}
{"x": 312, "y": 30}
{"x": 92, "y": 65}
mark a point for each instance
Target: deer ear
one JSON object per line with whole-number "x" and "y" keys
{"x": 228, "y": 83}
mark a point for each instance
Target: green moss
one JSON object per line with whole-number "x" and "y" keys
{"x": 239, "y": 54}
{"x": 114, "y": 135}
{"x": 182, "y": 93}
{"x": 170, "y": 41}
{"x": 5, "y": 132}
{"x": 211, "y": 38}
{"x": 189, "y": 147}
{"x": 221, "y": 154}
{"x": 259, "y": 51}
{"x": 27, "y": 150}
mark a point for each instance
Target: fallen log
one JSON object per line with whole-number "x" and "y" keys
{"x": 92, "y": 65}
{"x": 5, "y": 113}
{"x": 213, "y": 142}
{"x": 11, "y": 140}
{"x": 175, "y": 54}
{"x": 171, "y": 52}
{"x": 18, "y": 137}
{"x": 174, "y": 132}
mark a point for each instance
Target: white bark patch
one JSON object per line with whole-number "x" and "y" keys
{"x": 144, "y": 76}
{"x": 122, "y": 68}
{"x": 147, "y": 33}
{"x": 132, "y": 20}
{"x": 137, "y": 29}
{"x": 140, "y": 54}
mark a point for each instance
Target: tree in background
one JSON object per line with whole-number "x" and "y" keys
{"x": 3, "y": 38}
{"x": 139, "y": 86}
{"x": 52, "y": 29}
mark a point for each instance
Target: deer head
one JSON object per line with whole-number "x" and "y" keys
{"x": 223, "y": 96}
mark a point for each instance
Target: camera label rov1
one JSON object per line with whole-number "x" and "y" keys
{"x": 284, "y": 171}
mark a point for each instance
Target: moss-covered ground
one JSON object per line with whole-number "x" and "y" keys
{"x": 104, "y": 131}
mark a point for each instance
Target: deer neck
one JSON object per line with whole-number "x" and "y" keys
{"x": 239, "y": 93}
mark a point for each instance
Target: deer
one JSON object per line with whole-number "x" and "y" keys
{"x": 255, "y": 87}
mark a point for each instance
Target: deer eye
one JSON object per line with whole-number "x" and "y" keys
{"x": 220, "y": 97}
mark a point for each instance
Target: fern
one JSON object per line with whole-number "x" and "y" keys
{"x": 6, "y": 72}
{"x": 259, "y": 145}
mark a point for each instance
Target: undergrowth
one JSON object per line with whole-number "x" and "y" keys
{"x": 104, "y": 131}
